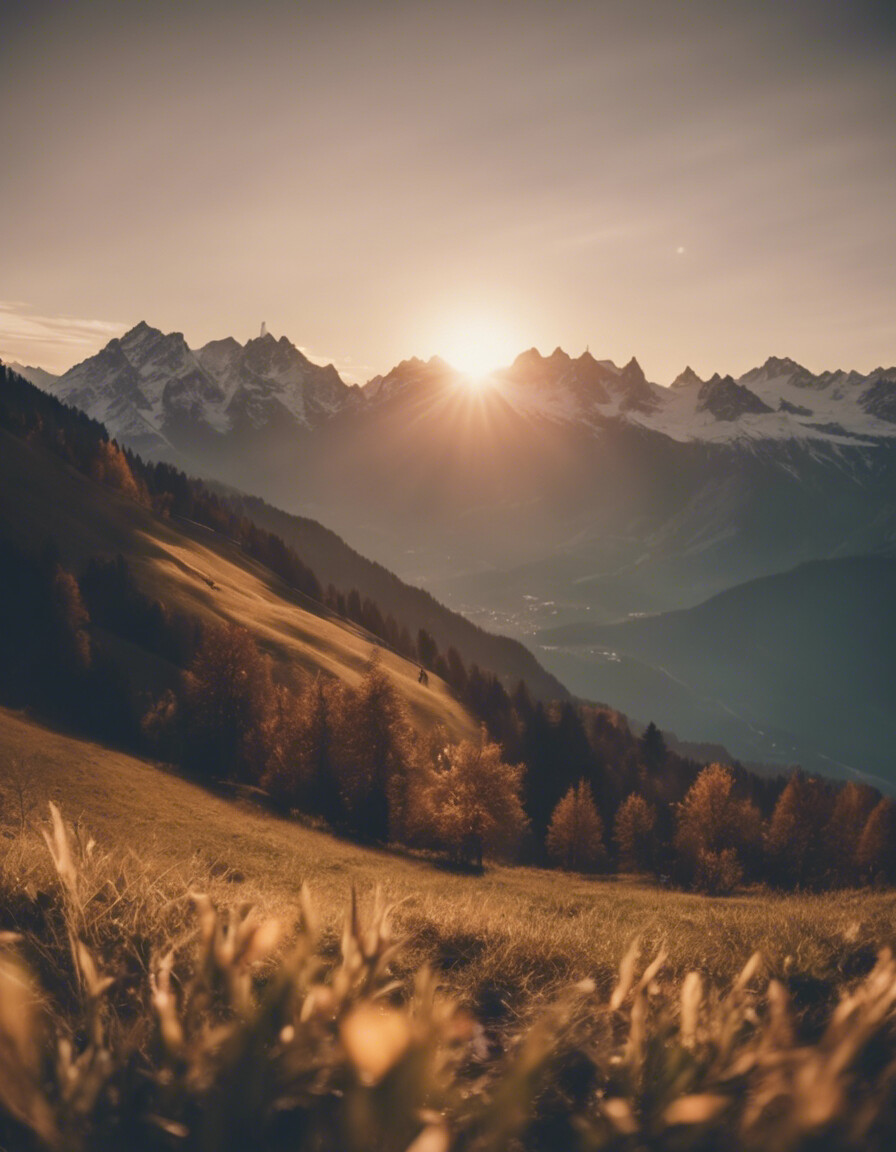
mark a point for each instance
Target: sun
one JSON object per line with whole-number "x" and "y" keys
{"x": 477, "y": 347}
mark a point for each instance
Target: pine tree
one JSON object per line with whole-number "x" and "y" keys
{"x": 427, "y": 649}
{"x": 653, "y": 746}
{"x": 323, "y": 790}
{"x": 457, "y": 673}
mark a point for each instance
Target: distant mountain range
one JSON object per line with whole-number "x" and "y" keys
{"x": 804, "y": 662}
{"x": 150, "y": 387}
{"x": 562, "y": 491}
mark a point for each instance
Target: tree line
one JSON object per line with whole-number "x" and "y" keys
{"x": 350, "y": 756}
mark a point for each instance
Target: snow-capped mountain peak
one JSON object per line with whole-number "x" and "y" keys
{"x": 727, "y": 400}
{"x": 780, "y": 368}
{"x": 154, "y": 391}
{"x": 408, "y": 376}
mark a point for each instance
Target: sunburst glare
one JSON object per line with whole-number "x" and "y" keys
{"x": 478, "y": 346}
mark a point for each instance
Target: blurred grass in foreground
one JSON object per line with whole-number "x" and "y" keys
{"x": 136, "y": 1016}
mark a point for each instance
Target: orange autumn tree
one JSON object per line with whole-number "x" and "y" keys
{"x": 876, "y": 849}
{"x": 575, "y": 837}
{"x": 633, "y": 831}
{"x": 852, "y": 807}
{"x": 225, "y": 699}
{"x": 470, "y": 803}
{"x": 110, "y": 467}
{"x": 716, "y": 828}
{"x": 797, "y": 854}
{"x": 373, "y": 754}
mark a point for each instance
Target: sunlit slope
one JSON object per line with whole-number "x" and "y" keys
{"x": 187, "y": 566}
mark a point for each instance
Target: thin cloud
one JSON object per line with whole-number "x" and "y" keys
{"x": 25, "y": 335}
{"x": 17, "y": 323}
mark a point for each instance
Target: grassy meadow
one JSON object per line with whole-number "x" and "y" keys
{"x": 513, "y": 935}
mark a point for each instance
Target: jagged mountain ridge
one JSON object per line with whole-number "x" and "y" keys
{"x": 156, "y": 393}
{"x": 39, "y": 377}
{"x": 769, "y": 402}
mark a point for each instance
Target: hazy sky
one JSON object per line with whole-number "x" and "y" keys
{"x": 703, "y": 183}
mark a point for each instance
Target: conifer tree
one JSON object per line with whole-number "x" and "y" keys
{"x": 323, "y": 791}
{"x": 653, "y": 745}
{"x": 427, "y": 649}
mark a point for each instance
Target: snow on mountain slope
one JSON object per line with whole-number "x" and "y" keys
{"x": 687, "y": 379}
{"x": 780, "y": 400}
{"x": 581, "y": 390}
{"x": 880, "y": 399}
{"x": 413, "y": 373}
{"x": 154, "y": 392}
{"x": 268, "y": 376}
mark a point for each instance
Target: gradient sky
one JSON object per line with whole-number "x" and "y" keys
{"x": 688, "y": 182}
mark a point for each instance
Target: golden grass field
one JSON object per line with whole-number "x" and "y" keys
{"x": 514, "y": 932}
